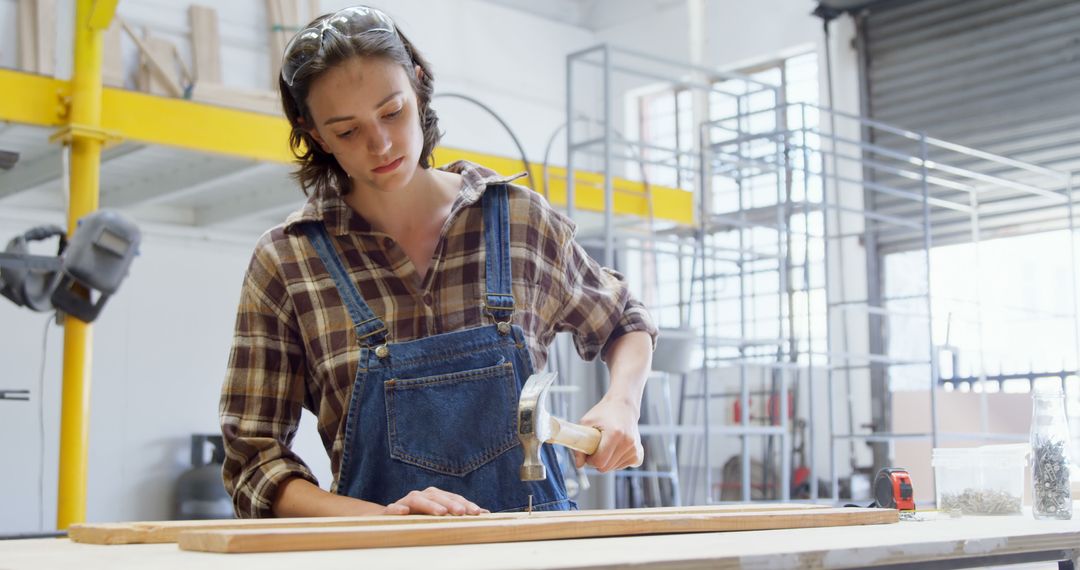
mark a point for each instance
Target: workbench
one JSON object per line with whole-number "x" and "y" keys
{"x": 936, "y": 542}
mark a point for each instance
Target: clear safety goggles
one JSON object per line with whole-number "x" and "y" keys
{"x": 349, "y": 23}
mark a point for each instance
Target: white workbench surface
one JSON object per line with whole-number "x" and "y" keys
{"x": 908, "y": 542}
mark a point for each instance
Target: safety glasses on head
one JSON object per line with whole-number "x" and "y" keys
{"x": 348, "y": 23}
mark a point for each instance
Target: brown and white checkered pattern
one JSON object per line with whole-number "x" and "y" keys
{"x": 295, "y": 346}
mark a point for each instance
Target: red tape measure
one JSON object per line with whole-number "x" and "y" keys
{"x": 893, "y": 490}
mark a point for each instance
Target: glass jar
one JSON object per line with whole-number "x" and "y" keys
{"x": 1052, "y": 492}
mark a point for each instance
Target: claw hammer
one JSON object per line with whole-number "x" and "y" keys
{"x": 536, "y": 426}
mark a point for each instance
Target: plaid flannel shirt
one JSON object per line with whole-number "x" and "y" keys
{"x": 294, "y": 345}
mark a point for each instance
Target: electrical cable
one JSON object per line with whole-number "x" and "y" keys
{"x": 490, "y": 111}
{"x": 41, "y": 424}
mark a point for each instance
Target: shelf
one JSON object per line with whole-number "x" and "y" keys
{"x": 153, "y": 120}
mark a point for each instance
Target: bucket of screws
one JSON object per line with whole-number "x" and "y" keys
{"x": 987, "y": 480}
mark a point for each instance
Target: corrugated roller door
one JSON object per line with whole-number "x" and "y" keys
{"x": 998, "y": 75}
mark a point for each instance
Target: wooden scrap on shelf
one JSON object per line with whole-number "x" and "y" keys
{"x": 314, "y": 11}
{"x": 26, "y": 28}
{"x": 36, "y": 29}
{"x": 112, "y": 63}
{"x": 155, "y": 75}
{"x": 254, "y": 100}
{"x": 169, "y": 531}
{"x": 162, "y": 71}
{"x": 205, "y": 44}
{"x": 154, "y": 56}
{"x": 283, "y": 21}
{"x": 520, "y": 529}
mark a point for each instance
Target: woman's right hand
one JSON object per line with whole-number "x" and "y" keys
{"x": 433, "y": 501}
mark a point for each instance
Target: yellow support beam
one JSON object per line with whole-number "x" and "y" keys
{"x": 194, "y": 126}
{"x": 83, "y": 132}
{"x": 101, "y": 14}
{"x": 33, "y": 99}
{"x": 669, "y": 204}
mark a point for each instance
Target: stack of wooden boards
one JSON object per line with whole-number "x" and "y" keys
{"x": 161, "y": 68}
{"x": 286, "y": 535}
{"x": 163, "y": 72}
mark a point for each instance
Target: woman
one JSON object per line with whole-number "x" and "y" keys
{"x": 406, "y": 305}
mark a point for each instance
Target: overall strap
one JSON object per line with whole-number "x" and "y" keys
{"x": 370, "y": 330}
{"x": 498, "y": 292}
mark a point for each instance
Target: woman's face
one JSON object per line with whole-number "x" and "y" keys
{"x": 365, "y": 114}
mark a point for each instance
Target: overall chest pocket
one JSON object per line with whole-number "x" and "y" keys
{"x": 452, "y": 423}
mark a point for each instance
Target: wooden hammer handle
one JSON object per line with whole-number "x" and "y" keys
{"x": 581, "y": 438}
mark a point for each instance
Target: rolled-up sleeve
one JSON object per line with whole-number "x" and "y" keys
{"x": 263, "y": 393}
{"x": 596, "y": 305}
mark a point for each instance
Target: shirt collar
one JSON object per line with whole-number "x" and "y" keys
{"x": 340, "y": 218}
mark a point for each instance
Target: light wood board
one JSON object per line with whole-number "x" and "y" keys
{"x": 36, "y": 29}
{"x": 256, "y": 101}
{"x": 283, "y": 21}
{"x": 205, "y": 44}
{"x": 156, "y": 74}
{"x": 154, "y": 532}
{"x": 522, "y": 529}
{"x": 46, "y": 36}
{"x": 908, "y": 542}
{"x": 112, "y": 62}
{"x": 26, "y": 29}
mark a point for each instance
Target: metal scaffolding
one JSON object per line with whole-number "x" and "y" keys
{"x": 594, "y": 137}
{"x": 791, "y": 198}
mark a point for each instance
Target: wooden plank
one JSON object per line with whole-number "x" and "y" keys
{"x": 284, "y": 17}
{"x": 26, "y": 28}
{"x": 155, "y": 73}
{"x": 265, "y": 101}
{"x": 274, "y": 25}
{"x": 186, "y": 76}
{"x": 927, "y": 541}
{"x": 45, "y": 21}
{"x": 205, "y": 43}
{"x": 154, "y": 532}
{"x": 112, "y": 63}
{"x": 522, "y": 529}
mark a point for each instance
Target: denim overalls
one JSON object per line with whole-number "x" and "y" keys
{"x": 440, "y": 411}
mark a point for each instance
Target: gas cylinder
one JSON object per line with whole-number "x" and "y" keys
{"x": 200, "y": 493}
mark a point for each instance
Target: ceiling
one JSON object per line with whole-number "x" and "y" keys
{"x": 571, "y": 12}
{"x": 592, "y": 15}
{"x": 156, "y": 184}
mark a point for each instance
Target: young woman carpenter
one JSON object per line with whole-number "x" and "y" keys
{"x": 405, "y": 305}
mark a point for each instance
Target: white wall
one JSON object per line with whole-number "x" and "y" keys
{"x": 738, "y": 33}
{"x": 160, "y": 349}
{"x": 9, "y": 41}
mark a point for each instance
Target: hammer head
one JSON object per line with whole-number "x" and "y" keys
{"x": 534, "y": 424}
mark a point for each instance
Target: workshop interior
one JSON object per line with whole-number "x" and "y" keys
{"x": 851, "y": 222}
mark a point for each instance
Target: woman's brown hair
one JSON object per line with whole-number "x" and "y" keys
{"x": 319, "y": 170}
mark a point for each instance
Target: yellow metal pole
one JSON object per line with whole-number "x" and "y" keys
{"x": 84, "y": 130}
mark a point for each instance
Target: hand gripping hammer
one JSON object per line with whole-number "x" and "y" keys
{"x": 536, "y": 426}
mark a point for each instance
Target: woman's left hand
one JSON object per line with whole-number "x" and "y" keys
{"x": 620, "y": 442}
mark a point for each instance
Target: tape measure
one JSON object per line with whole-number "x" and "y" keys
{"x": 893, "y": 490}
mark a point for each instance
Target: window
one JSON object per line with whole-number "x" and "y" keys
{"x": 664, "y": 122}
